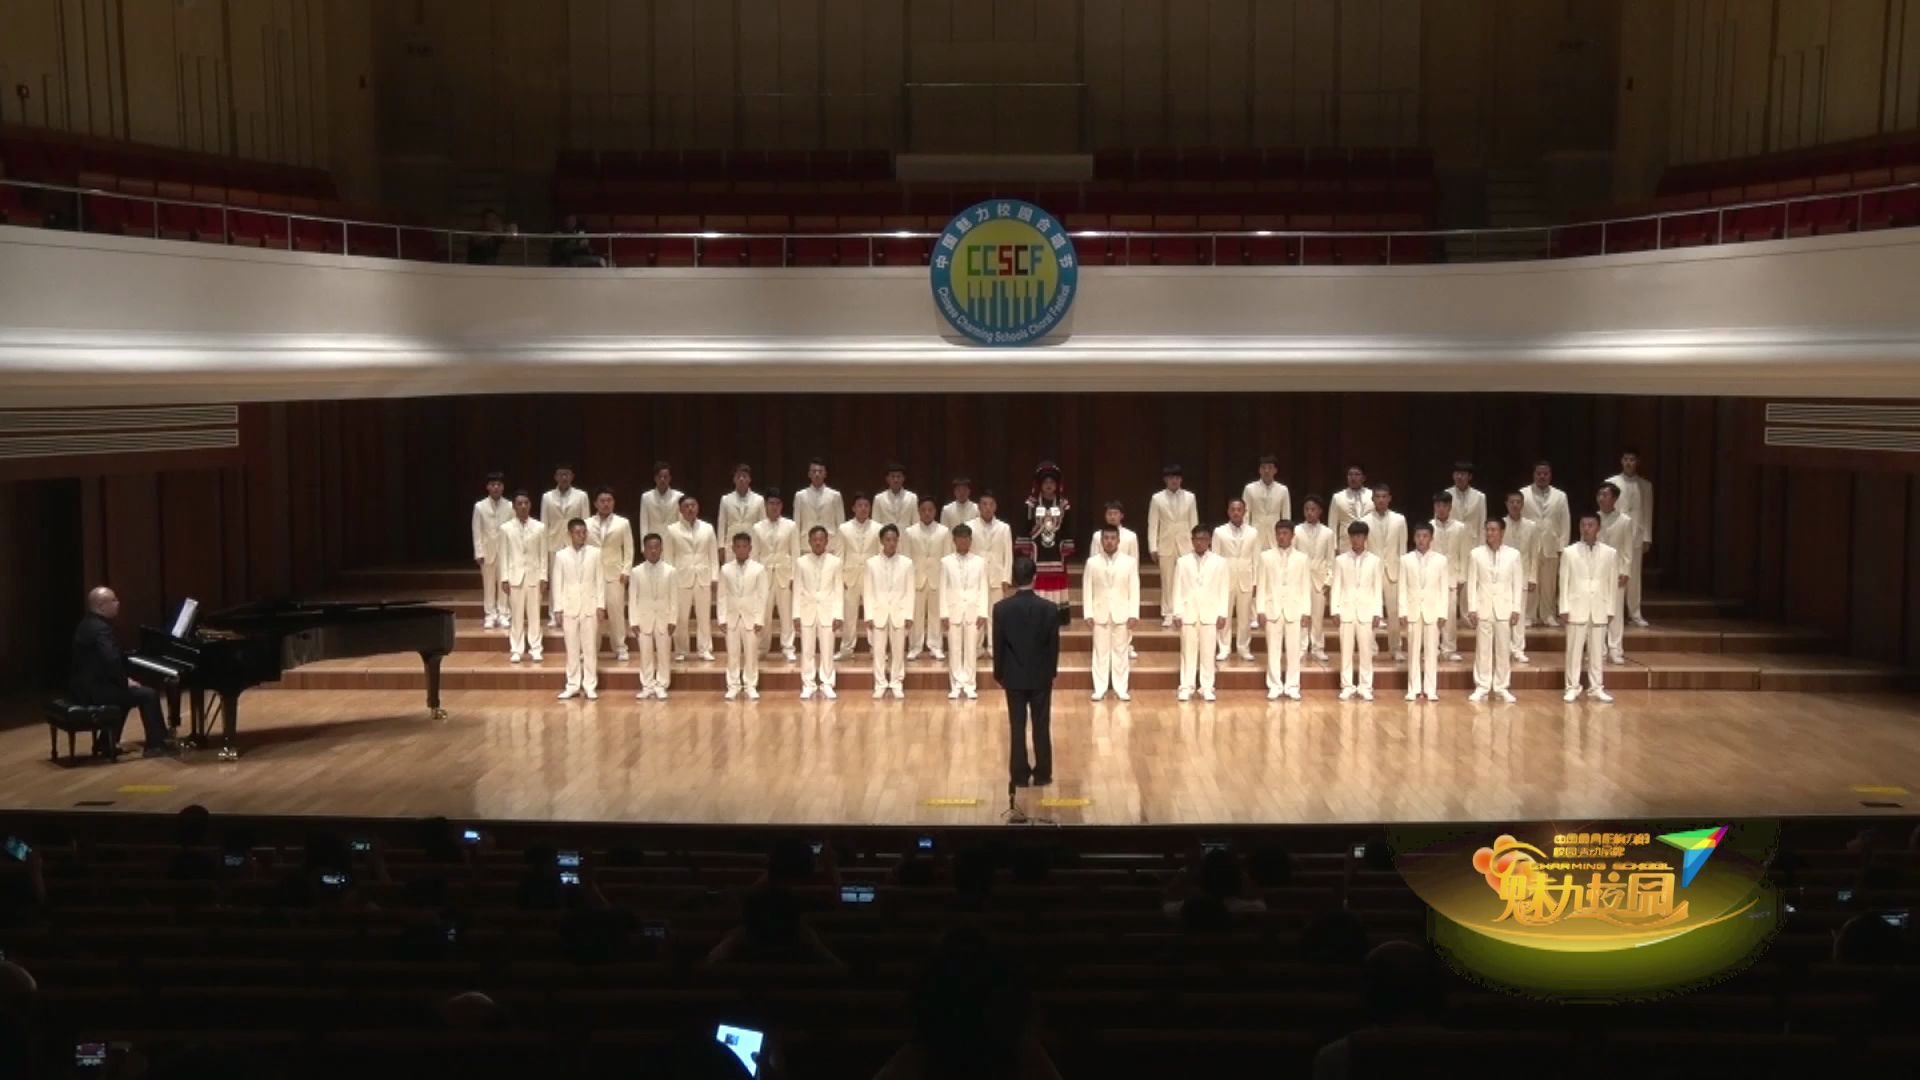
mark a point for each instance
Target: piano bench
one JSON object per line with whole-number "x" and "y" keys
{"x": 98, "y": 721}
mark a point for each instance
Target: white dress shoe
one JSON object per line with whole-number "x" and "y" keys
{"x": 1273, "y": 695}
{"x": 593, "y": 695}
{"x": 514, "y": 659}
{"x": 972, "y": 694}
{"x": 1454, "y": 657}
{"x": 791, "y": 656}
{"x": 732, "y": 692}
{"x": 1522, "y": 658}
{"x": 565, "y": 694}
{"x": 827, "y": 692}
{"x": 1293, "y": 693}
{"x": 1095, "y": 697}
{"x": 1639, "y": 620}
{"x": 1366, "y": 695}
{"x": 753, "y": 694}
{"x": 1599, "y": 695}
{"x": 1206, "y": 695}
{"x": 1477, "y": 696}
{"x": 707, "y": 656}
{"x": 622, "y": 656}
{"x": 806, "y": 692}
{"x": 1247, "y": 656}
{"x": 679, "y": 658}
{"x": 1571, "y": 695}
{"x": 660, "y": 693}
{"x": 879, "y": 692}
{"x": 1506, "y": 696}
{"x": 1347, "y": 692}
{"x": 1124, "y": 697}
{"x": 534, "y": 656}
{"x": 953, "y": 694}
{"x": 1184, "y": 695}
{"x": 900, "y": 693}
{"x": 1411, "y": 696}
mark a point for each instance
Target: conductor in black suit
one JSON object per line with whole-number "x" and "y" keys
{"x": 1026, "y": 656}
{"x": 97, "y": 674}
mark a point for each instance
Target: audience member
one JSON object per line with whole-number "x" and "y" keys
{"x": 472, "y": 1011}
{"x": 195, "y": 860}
{"x": 772, "y": 930}
{"x": 1218, "y": 875}
{"x": 972, "y": 1020}
{"x": 572, "y": 248}
{"x": 1334, "y": 937}
{"x": 1869, "y": 941}
{"x": 485, "y": 249}
{"x": 1401, "y": 988}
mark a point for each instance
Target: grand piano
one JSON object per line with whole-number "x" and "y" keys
{"x": 226, "y": 652}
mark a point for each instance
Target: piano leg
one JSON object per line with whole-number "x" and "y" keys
{"x": 173, "y": 705}
{"x": 229, "y": 719}
{"x": 432, "y": 660}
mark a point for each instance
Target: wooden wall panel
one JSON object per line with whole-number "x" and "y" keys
{"x": 1877, "y": 580}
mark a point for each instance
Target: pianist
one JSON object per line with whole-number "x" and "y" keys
{"x": 98, "y": 674}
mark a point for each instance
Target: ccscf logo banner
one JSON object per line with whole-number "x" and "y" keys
{"x": 1004, "y": 273}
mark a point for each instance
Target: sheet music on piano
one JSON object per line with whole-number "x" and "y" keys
{"x": 183, "y": 622}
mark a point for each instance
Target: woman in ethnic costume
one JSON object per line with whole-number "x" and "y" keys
{"x": 1049, "y": 539}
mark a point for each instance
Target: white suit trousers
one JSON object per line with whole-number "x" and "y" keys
{"x": 889, "y": 656}
{"x": 1391, "y": 610}
{"x": 963, "y": 660}
{"x": 926, "y": 613}
{"x": 1239, "y": 624}
{"x": 616, "y": 624}
{"x": 743, "y": 656}
{"x": 1111, "y": 667}
{"x": 1586, "y": 642}
{"x": 583, "y": 653}
{"x": 779, "y": 613}
{"x": 1450, "y": 633}
{"x": 1493, "y": 653}
{"x": 1356, "y": 637}
{"x": 524, "y": 632}
{"x": 1546, "y": 596}
{"x": 850, "y": 621}
{"x": 1617, "y": 626}
{"x": 1517, "y": 634}
{"x": 654, "y": 651}
{"x": 690, "y": 603}
{"x": 1197, "y": 657}
{"x": 1317, "y": 635}
{"x": 816, "y": 655}
{"x": 1423, "y": 658}
{"x": 1633, "y": 582}
{"x": 1286, "y": 644}
{"x": 1169, "y": 575}
{"x": 493, "y": 604}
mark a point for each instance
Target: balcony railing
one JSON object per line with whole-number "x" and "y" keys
{"x": 117, "y": 213}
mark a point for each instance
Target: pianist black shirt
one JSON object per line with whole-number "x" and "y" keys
{"x": 97, "y": 674}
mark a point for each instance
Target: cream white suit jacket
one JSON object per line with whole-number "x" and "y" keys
{"x": 958, "y": 513}
{"x": 734, "y": 514}
{"x": 1241, "y": 548}
{"x": 1470, "y": 509}
{"x": 902, "y": 511}
{"x": 1387, "y": 538}
{"x": 523, "y": 553}
{"x": 650, "y": 596}
{"x": 1455, "y": 540}
{"x": 1111, "y": 588}
{"x": 488, "y": 515}
{"x": 658, "y": 511}
{"x": 1284, "y": 591}
{"x": 1171, "y": 516}
{"x": 1589, "y": 582}
{"x": 557, "y": 509}
{"x": 1426, "y": 586}
{"x": 858, "y": 543}
{"x": 577, "y": 585}
{"x": 964, "y": 591}
{"x": 1496, "y": 582}
{"x": 819, "y": 507}
{"x": 742, "y": 595}
{"x": 819, "y": 590}
{"x": 1320, "y": 545}
{"x": 926, "y": 545}
{"x": 1359, "y": 586}
{"x": 1266, "y": 504}
{"x": 1200, "y": 585}
{"x": 1622, "y": 534}
{"x": 692, "y": 551}
{"x": 1523, "y": 536}
{"x": 1129, "y": 544}
{"x": 886, "y": 593}
{"x": 1550, "y": 513}
{"x": 1636, "y": 501}
{"x": 614, "y": 538}
{"x": 994, "y": 543}
{"x": 776, "y": 546}
{"x": 1347, "y": 507}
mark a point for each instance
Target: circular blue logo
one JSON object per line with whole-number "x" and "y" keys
{"x": 1004, "y": 273}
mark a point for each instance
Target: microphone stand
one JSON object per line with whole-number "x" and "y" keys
{"x": 1013, "y": 815}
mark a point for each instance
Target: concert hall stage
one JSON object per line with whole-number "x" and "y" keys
{"x": 1715, "y": 715}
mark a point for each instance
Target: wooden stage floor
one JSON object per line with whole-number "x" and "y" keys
{"x": 519, "y": 754}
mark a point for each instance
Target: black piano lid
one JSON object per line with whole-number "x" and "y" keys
{"x": 294, "y": 610}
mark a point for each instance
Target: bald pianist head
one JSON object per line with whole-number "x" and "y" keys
{"x": 97, "y": 675}
{"x": 103, "y": 602}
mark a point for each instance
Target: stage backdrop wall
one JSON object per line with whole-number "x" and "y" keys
{"x": 1833, "y": 541}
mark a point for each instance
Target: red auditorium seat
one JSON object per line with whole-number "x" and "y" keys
{"x": 1890, "y": 209}
{"x": 1689, "y": 230}
{"x": 901, "y": 250}
{"x": 1821, "y": 217}
{"x": 1637, "y": 235}
{"x": 1756, "y": 223}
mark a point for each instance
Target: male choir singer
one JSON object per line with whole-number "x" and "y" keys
{"x": 1283, "y": 595}
{"x": 650, "y": 610}
{"x": 1589, "y": 585}
{"x": 742, "y": 604}
{"x": 965, "y": 600}
{"x": 1111, "y": 603}
{"x": 610, "y": 533}
{"x": 1201, "y": 580}
{"x": 523, "y": 570}
{"x": 818, "y": 593}
{"x": 97, "y": 675}
{"x": 488, "y": 515}
{"x": 579, "y": 602}
{"x": 886, "y": 595}
{"x": 1357, "y": 602}
{"x": 1496, "y": 605}
{"x": 1425, "y": 601}
{"x": 1026, "y": 656}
